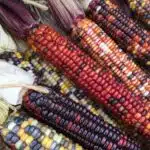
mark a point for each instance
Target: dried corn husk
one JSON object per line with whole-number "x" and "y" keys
{"x": 10, "y": 74}
{"x": 6, "y": 41}
{"x": 41, "y": 4}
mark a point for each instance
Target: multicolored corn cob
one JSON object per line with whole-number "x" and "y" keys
{"x": 105, "y": 51}
{"x": 26, "y": 133}
{"x": 131, "y": 37}
{"x": 95, "y": 79}
{"x": 76, "y": 121}
{"x": 49, "y": 75}
{"x": 141, "y": 8}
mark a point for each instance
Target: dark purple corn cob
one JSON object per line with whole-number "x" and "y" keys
{"x": 77, "y": 122}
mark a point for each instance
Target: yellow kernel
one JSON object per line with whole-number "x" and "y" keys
{"x": 34, "y": 123}
{"x": 148, "y": 62}
{"x": 18, "y": 55}
{"x": 24, "y": 137}
{"x": 62, "y": 148}
{"x": 48, "y": 144}
{"x": 45, "y": 141}
{"x": 27, "y": 148}
{"x": 143, "y": 3}
{"x": 78, "y": 147}
{"x": 5, "y": 132}
{"x": 134, "y": 51}
{"x": 24, "y": 124}
{"x": 133, "y": 6}
{"x": 70, "y": 146}
{"x": 21, "y": 132}
{"x": 29, "y": 140}
{"x": 17, "y": 114}
{"x": 94, "y": 110}
{"x": 64, "y": 89}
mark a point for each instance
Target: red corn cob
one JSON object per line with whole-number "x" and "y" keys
{"x": 95, "y": 79}
{"x": 127, "y": 33}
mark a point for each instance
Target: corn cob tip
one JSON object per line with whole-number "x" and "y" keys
{"x": 66, "y": 12}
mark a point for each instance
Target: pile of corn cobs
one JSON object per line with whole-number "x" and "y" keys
{"x": 97, "y": 78}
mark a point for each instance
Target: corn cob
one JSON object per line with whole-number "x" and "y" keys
{"x": 95, "y": 79}
{"x": 76, "y": 121}
{"x": 141, "y": 10}
{"x": 131, "y": 37}
{"x": 49, "y": 75}
{"x": 105, "y": 51}
{"x": 24, "y": 132}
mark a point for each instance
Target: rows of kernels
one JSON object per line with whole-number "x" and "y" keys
{"x": 104, "y": 50}
{"x": 23, "y": 132}
{"x": 110, "y": 12}
{"x": 123, "y": 29}
{"x": 141, "y": 9}
{"x": 76, "y": 121}
{"x": 95, "y": 79}
{"x": 51, "y": 77}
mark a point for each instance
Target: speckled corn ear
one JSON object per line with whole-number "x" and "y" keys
{"x": 95, "y": 79}
{"x": 76, "y": 121}
{"x": 106, "y": 52}
{"x": 24, "y": 132}
{"x": 127, "y": 33}
{"x": 141, "y": 10}
{"x": 49, "y": 75}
